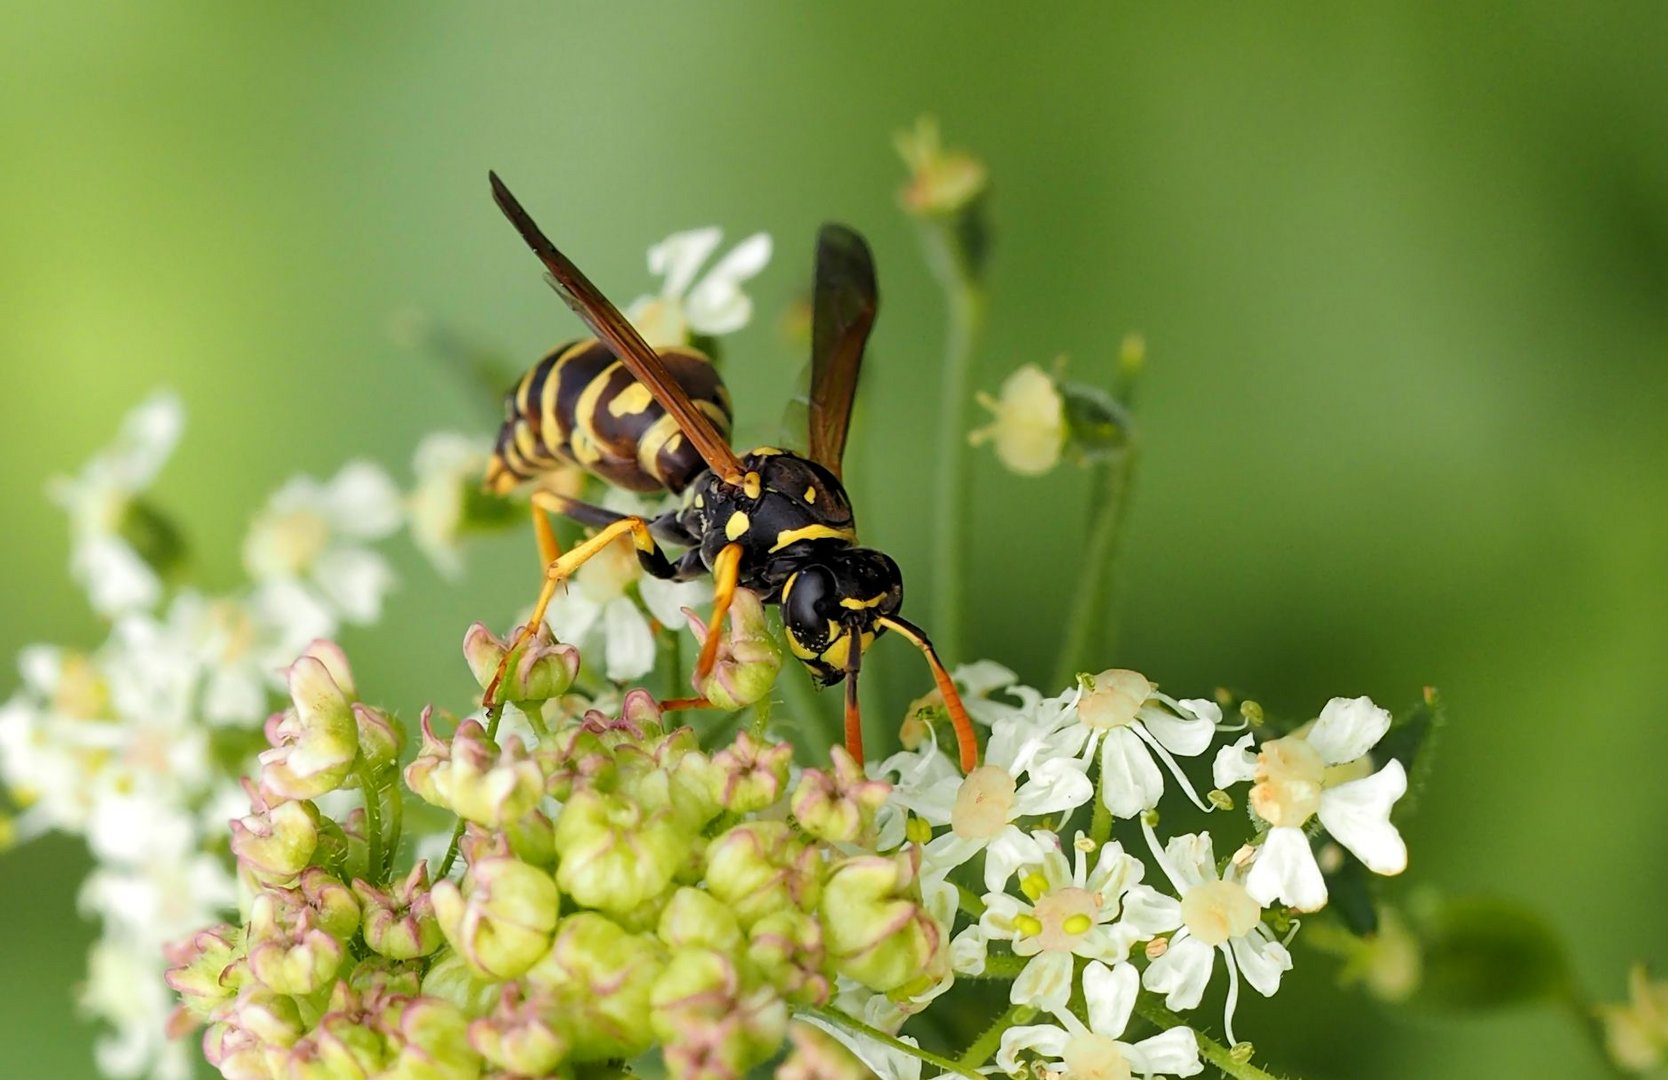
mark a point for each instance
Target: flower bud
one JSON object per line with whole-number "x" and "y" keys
{"x": 748, "y": 657}
{"x": 520, "y": 1035}
{"x": 759, "y": 867}
{"x": 787, "y": 947}
{"x": 502, "y": 919}
{"x": 433, "y": 1040}
{"x": 288, "y": 952}
{"x": 612, "y": 856}
{"x": 877, "y": 928}
{"x": 599, "y": 978}
{"x": 399, "y": 922}
{"x": 713, "y": 1028}
{"x": 838, "y": 806}
{"x": 694, "y": 919}
{"x": 374, "y": 978}
{"x": 273, "y": 1019}
{"x": 1029, "y": 429}
{"x": 276, "y": 844}
{"x": 205, "y": 970}
{"x": 532, "y": 839}
{"x": 576, "y": 758}
{"x": 315, "y": 741}
{"x": 942, "y": 182}
{"x": 539, "y": 669}
{"x": 474, "y": 777}
{"x": 235, "y": 1053}
{"x": 451, "y": 978}
{"x": 332, "y": 904}
{"x": 335, "y": 662}
{"x": 817, "y": 1055}
{"x": 379, "y": 737}
{"x": 750, "y": 775}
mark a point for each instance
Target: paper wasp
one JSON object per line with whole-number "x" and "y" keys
{"x": 768, "y": 520}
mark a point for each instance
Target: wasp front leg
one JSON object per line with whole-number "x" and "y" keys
{"x": 726, "y": 571}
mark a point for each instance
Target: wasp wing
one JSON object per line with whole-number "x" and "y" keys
{"x": 619, "y": 335}
{"x": 842, "y": 313}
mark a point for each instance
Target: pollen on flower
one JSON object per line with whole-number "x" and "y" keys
{"x": 1214, "y": 911}
{"x": 1094, "y": 1057}
{"x": 1116, "y": 697}
{"x": 984, "y": 803}
{"x": 1065, "y": 915}
{"x": 1290, "y": 775}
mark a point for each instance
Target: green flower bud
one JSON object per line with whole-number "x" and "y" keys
{"x": 273, "y": 1019}
{"x": 694, "y": 919}
{"x": 599, "y": 978}
{"x": 578, "y": 758}
{"x": 612, "y": 855}
{"x": 502, "y": 919}
{"x": 379, "y": 738}
{"x": 400, "y": 922}
{"x": 787, "y": 947}
{"x": 759, "y": 867}
{"x": 374, "y": 978}
{"x": 838, "y": 806}
{"x": 532, "y": 839}
{"x": 206, "y": 970}
{"x": 315, "y": 741}
{"x": 713, "y": 1028}
{"x": 750, "y": 775}
{"x": 450, "y": 978}
{"x": 274, "y": 845}
{"x": 475, "y": 778}
{"x": 877, "y": 928}
{"x": 433, "y": 1040}
{"x": 288, "y": 952}
{"x": 520, "y": 1036}
{"x": 748, "y": 657}
{"x": 539, "y": 669}
{"x": 817, "y": 1055}
{"x": 335, "y": 662}
{"x": 334, "y": 908}
{"x": 236, "y": 1053}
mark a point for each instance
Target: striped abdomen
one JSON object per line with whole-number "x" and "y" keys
{"x": 580, "y": 404}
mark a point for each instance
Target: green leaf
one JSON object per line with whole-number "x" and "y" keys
{"x": 1488, "y": 953}
{"x": 1409, "y": 741}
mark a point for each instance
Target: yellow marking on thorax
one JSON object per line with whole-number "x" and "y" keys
{"x": 838, "y": 652}
{"x": 812, "y": 532}
{"x": 631, "y": 401}
{"x": 764, "y": 451}
{"x": 751, "y": 486}
{"x": 858, "y": 605}
{"x": 811, "y": 494}
{"x": 737, "y": 526}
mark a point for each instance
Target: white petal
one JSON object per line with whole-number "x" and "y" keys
{"x": 679, "y": 256}
{"x": 117, "y": 580}
{"x": 354, "y": 580}
{"x": 982, "y": 677}
{"x": 147, "y": 437}
{"x": 1048, "y": 1040}
{"x": 1188, "y": 736}
{"x": 1203, "y": 708}
{"x": 1130, "y": 779}
{"x": 362, "y": 501}
{"x": 1045, "y": 982}
{"x": 1348, "y": 728}
{"x": 1148, "y": 912}
{"x": 1261, "y": 959}
{"x": 969, "y": 951}
{"x": 1172, "y": 1053}
{"x": 1182, "y": 973}
{"x": 1192, "y": 858}
{"x": 571, "y": 615}
{"x": 740, "y": 263}
{"x": 1056, "y": 785}
{"x": 884, "y": 1061}
{"x": 630, "y": 644}
{"x": 945, "y": 853}
{"x": 1234, "y": 763}
{"x": 667, "y": 599}
{"x": 1285, "y": 870}
{"x": 1008, "y": 852}
{"x": 1357, "y": 814}
{"x": 296, "y": 614}
{"x": 1110, "y": 994}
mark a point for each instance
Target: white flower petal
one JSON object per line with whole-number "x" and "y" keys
{"x": 1192, "y": 858}
{"x": 1357, "y": 814}
{"x": 678, "y": 257}
{"x": 1055, "y": 785}
{"x": 1235, "y": 763}
{"x": 571, "y": 615}
{"x": 1188, "y": 736}
{"x": 1148, "y": 912}
{"x": 667, "y": 599}
{"x": 944, "y": 853}
{"x": 1010, "y": 850}
{"x": 1110, "y": 994}
{"x": 1130, "y": 780}
{"x": 1261, "y": 959}
{"x": 1285, "y": 870}
{"x": 982, "y": 678}
{"x": 968, "y": 951}
{"x": 630, "y": 643}
{"x": 117, "y": 580}
{"x": 354, "y": 580}
{"x": 1045, "y": 982}
{"x": 147, "y": 438}
{"x": 363, "y": 502}
{"x": 1182, "y": 973}
{"x": 1348, "y": 728}
{"x": 1048, "y": 1040}
{"x": 1174, "y": 1052}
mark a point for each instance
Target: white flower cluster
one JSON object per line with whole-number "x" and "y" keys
{"x": 1084, "y": 915}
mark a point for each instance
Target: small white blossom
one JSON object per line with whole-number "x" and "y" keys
{"x": 1092, "y": 1051}
{"x": 1030, "y": 425}
{"x": 1131, "y": 722}
{"x": 1323, "y": 771}
{"x": 125, "y": 989}
{"x": 1217, "y": 914}
{"x": 447, "y": 466}
{"x": 116, "y": 577}
{"x": 713, "y": 305}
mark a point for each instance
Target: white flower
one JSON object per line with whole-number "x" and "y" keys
{"x": 1077, "y": 1051}
{"x": 1217, "y": 914}
{"x": 447, "y": 467}
{"x": 125, "y": 989}
{"x": 1131, "y": 722}
{"x": 1069, "y": 910}
{"x": 1321, "y": 771}
{"x": 116, "y": 577}
{"x": 1030, "y": 425}
{"x": 711, "y": 306}
{"x": 1023, "y": 775}
{"x": 307, "y": 550}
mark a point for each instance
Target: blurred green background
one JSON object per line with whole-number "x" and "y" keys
{"x": 1402, "y": 269}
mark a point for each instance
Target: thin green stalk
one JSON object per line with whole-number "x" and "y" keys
{"x": 965, "y": 317}
{"x": 1148, "y": 1008}
{"x": 852, "y": 1024}
{"x": 674, "y": 667}
{"x": 372, "y": 799}
{"x": 801, "y": 699}
{"x": 986, "y": 1045}
{"x": 1092, "y": 606}
{"x": 494, "y": 714}
{"x": 396, "y": 824}
{"x": 969, "y": 902}
{"x": 1100, "y": 823}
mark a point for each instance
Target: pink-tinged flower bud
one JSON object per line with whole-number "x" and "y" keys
{"x": 275, "y": 845}
{"x": 693, "y": 919}
{"x": 577, "y": 758}
{"x": 748, "y": 656}
{"x": 334, "y": 908}
{"x": 612, "y": 855}
{"x": 673, "y": 776}
{"x": 273, "y": 1019}
{"x": 399, "y": 922}
{"x": 474, "y": 777}
{"x": 712, "y": 1026}
{"x": 502, "y": 918}
{"x": 599, "y": 978}
{"x": 787, "y": 947}
{"x": 759, "y": 867}
{"x": 433, "y": 1042}
{"x": 817, "y": 1055}
{"x": 237, "y": 1054}
{"x": 288, "y": 952}
{"x": 343, "y": 1046}
{"x": 433, "y": 755}
{"x": 315, "y": 741}
{"x": 540, "y": 669}
{"x": 839, "y": 805}
{"x": 751, "y": 775}
{"x": 335, "y": 662}
{"x": 532, "y": 839}
{"x": 379, "y": 737}
{"x": 450, "y": 978}
{"x": 877, "y": 928}
{"x": 520, "y": 1036}
{"x": 205, "y": 970}
{"x": 376, "y": 979}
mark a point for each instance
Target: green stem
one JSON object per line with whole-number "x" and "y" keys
{"x": 986, "y": 1045}
{"x": 969, "y": 902}
{"x": 965, "y": 318}
{"x": 494, "y": 714}
{"x": 396, "y": 824}
{"x": 1148, "y": 1008}
{"x": 1100, "y": 821}
{"x": 372, "y": 799}
{"x": 674, "y": 666}
{"x": 1092, "y": 607}
{"x": 852, "y": 1024}
{"x": 801, "y": 699}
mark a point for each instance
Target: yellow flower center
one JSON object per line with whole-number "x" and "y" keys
{"x": 1113, "y": 703}
{"x": 80, "y": 693}
{"x": 1094, "y": 1057}
{"x": 984, "y": 803}
{"x": 288, "y": 543}
{"x": 1218, "y": 910}
{"x": 1063, "y": 917}
{"x": 1290, "y": 777}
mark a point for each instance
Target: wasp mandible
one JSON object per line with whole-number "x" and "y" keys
{"x": 769, "y": 520}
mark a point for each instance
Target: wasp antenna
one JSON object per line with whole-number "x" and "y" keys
{"x": 966, "y": 741}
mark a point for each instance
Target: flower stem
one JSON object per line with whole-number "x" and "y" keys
{"x": 969, "y": 902}
{"x": 1100, "y": 821}
{"x": 396, "y": 818}
{"x": 986, "y": 1045}
{"x": 856, "y": 1026}
{"x": 966, "y": 302}
{"x": 494, "y": 714}
{"x": 372, "y": 799}
{"x": 1092, "y": 607}
{"x": 1148, "y": 1008}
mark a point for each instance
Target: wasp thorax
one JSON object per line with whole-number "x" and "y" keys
{"x": 839, "y": 596}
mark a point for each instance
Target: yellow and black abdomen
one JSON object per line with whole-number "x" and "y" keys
{"x": 580, "y": 404}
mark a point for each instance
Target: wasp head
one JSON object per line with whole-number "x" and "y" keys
{"x": 833, "y": 598}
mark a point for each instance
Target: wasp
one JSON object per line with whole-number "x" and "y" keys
{"x": 769, "y": 520}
